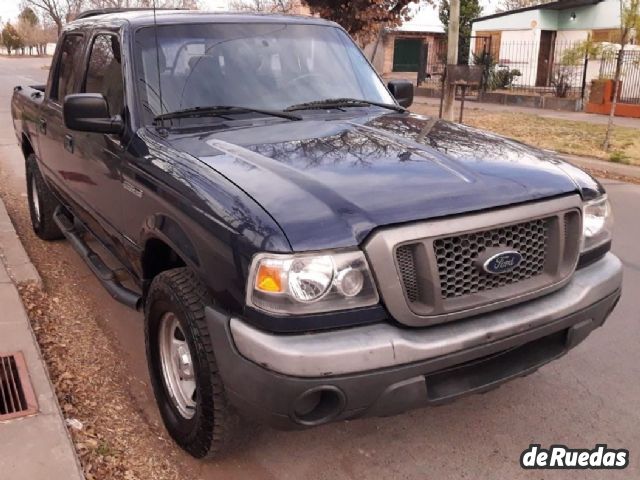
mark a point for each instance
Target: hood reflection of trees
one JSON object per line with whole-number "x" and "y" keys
{"x": 349, "y": 148}
{"x": 458, "y": 141}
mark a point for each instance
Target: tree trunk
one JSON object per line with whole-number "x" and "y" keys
{"x": 449, "y": 91}
{"x": 616, "y": 86}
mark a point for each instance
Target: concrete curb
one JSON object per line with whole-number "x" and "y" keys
{"x": 12, "y": 253}
{"x": 40, "y": 445}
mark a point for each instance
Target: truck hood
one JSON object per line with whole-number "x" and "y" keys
{"x": 329, "y": 183}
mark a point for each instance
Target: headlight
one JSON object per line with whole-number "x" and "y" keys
{"x": 597, "y": 220}
{"x": 307, "y": 283}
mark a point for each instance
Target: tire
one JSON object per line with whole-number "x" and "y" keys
{"x": 42, "y": 203}
{"x": 204, "y": 430}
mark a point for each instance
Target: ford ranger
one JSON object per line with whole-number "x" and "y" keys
{"x": 305, "y": 249}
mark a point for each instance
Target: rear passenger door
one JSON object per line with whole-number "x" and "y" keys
{"x": 53, "y": 135}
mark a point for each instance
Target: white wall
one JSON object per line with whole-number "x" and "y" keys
{"x": 605, "y": 14}
{"x": 519, "y": 50}
{"x": 572, "y": 36}
{"x": 515, "y": 21}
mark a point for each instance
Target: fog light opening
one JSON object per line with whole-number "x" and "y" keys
{"x": 318, "y": 405}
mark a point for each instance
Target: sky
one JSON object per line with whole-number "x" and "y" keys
{"x": 9, "y": 9}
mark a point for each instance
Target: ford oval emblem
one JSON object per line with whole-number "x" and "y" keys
{"x": 502, "y": 262}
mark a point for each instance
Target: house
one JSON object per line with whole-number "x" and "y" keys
{"x": 533, "y": 39}
{"x": 398, "y": 52}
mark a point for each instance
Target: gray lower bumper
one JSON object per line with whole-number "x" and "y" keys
{"x": 382, "y": 369}
{"x": 384, "y": 345}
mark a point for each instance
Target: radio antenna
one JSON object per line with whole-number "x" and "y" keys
{"x": 155, "y": 29}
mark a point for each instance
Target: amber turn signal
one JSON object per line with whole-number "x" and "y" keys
{"x": 269, "y": 279}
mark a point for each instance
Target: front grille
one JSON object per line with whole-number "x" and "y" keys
{"x": 431, "y": 272}
{"x": 457, "y": 257}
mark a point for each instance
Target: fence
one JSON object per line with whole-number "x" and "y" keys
{"x": 540, "y": 68}
{"x": 630, "y": 74}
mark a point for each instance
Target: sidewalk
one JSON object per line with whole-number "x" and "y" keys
{"x": 36, "y": 447}
{"x": 558, "y": 114}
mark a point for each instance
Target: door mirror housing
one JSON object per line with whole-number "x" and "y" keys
{"x": 89, "y": 112}
{"x": 402, "y": 90}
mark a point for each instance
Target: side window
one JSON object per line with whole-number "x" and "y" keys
{"x": 68, "y": 60}
{"x": 104, "y": 73}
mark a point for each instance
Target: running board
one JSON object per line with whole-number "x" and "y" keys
{"x": 107, "y": 277}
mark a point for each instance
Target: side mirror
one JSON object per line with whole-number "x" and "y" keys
{"x": 89, "y": 112}
{"x": 402, "y": 90}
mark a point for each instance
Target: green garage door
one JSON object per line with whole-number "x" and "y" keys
{"x": 406, "y": 54}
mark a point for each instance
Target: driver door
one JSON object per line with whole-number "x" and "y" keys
{"x": 99, "y": 156}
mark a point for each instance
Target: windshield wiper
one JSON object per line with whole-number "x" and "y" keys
{"x": 342, "y": 102}
{"x": 220, "y": 110}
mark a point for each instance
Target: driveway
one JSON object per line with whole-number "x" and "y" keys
{"x": 590, "y": 396}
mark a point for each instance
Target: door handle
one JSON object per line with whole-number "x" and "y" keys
{"x": 42, "y": 125}
{"x": 68, "y": 143}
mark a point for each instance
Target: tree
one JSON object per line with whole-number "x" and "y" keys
{"x": 508, "y": 5}
{"x": 63, "y": 11}
{"x": 28, "y": 16}
{"x": 28, "y": 28}
{"x": 10, "y": 38}
{"x": 266, "y": 6}
{"x": 60, "y": 11}
{"x": 192, "y": 4}
{"x": 572, "y": 62}
{"x": 469, "y": 10}
{"x": 362, "y": 18}
{"x": 629, "y": 25}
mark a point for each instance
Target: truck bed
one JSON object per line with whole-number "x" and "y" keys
{"x": 25, "y": 112}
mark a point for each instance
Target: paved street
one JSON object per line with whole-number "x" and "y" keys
{"x": 590, "y": 396}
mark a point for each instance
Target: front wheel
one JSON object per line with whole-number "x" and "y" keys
{"x": 182, "y": 366}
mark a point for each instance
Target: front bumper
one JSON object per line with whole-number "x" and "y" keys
{"x": 381, "y": 369}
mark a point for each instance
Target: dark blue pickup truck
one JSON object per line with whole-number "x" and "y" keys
{"x": 304, "y": 249}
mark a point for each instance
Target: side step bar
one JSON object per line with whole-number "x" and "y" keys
{"x": 107, "y": 277}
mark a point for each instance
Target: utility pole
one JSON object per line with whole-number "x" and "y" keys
{"x": 452, "y": 57}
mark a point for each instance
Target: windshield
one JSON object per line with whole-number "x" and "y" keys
{"x": 255, "y": 65}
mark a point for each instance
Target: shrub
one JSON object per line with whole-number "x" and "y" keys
{"x": 503, "y": 78}
{"x": 561, "y": 82}
{"x": 618, "y": 157}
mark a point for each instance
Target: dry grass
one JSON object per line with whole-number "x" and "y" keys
{"x": 565, "y": 136}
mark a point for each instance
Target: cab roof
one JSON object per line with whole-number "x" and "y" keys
{"x": 145, "y": 17}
